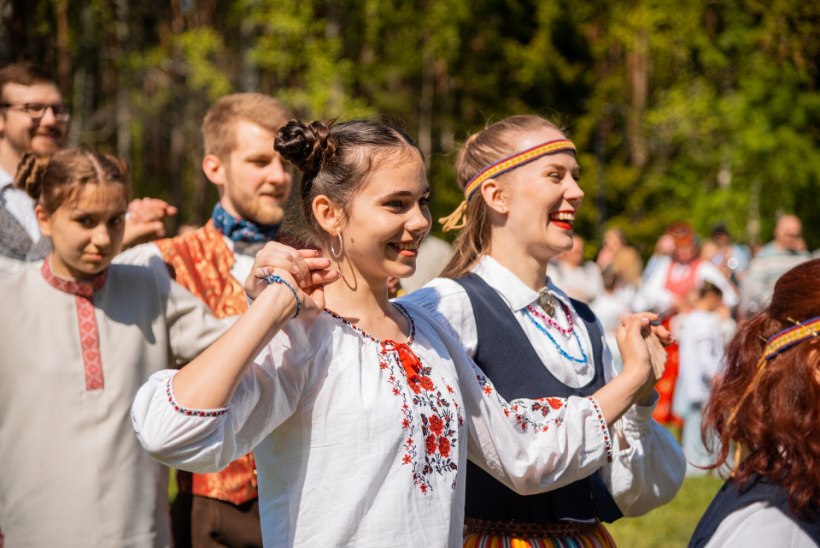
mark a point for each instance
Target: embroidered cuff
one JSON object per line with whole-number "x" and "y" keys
{"x": 169, "y": 393}
{"x": 604, "y": 429}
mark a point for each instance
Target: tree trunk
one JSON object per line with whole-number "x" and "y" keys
{"x": 123, "y": 104}
{"x": 637, "y": 62}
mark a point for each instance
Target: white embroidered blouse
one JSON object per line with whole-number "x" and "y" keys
{"x": 354, "y": 448}
{"x": 648, "y": 465}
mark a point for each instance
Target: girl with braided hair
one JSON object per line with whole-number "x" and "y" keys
{"x": 79, "y": 336}
{"x": 361, "y": 412}
{"x": 764, "y": 417}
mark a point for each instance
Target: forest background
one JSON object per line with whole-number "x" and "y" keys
{"x": 698, "y": 110}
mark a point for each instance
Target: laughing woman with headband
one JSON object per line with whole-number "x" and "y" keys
{"x": 520, "y": 180}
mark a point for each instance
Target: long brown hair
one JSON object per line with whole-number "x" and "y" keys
{"x": 481, "y": 149}
{"x": 771, "y": 408}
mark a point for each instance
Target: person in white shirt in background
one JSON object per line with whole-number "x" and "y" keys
{"x": 702, "y": 335}
{"x": 623, "y": 261}
{"x": 578, "y": 278}
{"x": 361, "y": 412}
{"x": 665, "y": 290}
{"x": 610, "y": 308}
{"x": 787, "y": 249}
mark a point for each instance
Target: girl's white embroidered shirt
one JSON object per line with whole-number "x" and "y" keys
{"x": 350, "y": 453}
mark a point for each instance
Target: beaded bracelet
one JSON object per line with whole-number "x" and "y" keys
{"x": 276, "y": 279}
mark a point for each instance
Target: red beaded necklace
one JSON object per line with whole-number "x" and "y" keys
{"x": 565, "y": 331}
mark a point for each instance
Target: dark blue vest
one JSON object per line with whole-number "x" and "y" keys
{"x": 507, "y": 357}
{"x": 731, "y": 498}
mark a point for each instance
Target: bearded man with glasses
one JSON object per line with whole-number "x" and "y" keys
{"x": 34, "y": 118}
{"x": 36, "y": 111}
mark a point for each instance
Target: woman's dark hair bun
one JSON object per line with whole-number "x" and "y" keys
{"x": 306, "y": 146}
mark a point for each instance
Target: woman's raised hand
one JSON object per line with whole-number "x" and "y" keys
{"x": 642, "y": 351}
{"x": 304, "y": 269}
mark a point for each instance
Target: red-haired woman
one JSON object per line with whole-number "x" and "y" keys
{"x": 767, "y": 406}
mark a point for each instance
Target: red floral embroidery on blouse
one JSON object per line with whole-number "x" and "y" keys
{"x": 444, "y": 446}
{"x": 437, "y": 417}
{"x": 436, "y": 424}
{"x": 543, "y": 406}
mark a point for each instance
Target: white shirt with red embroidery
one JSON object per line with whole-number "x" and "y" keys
{"x": 352, "y": 453}
{"x": 648, "y": 465}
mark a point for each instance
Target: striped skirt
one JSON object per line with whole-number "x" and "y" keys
{"x": 490, "y": 534}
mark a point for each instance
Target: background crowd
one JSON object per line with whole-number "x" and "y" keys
{"x": 667, "y": 162}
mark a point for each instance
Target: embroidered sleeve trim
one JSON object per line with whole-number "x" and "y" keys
{"x": 604, "y": 428}
{"x": 169, "y": 392}
{"x": 527, "y": 413}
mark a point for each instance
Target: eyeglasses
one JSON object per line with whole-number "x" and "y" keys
{"x": 38, "y": 110}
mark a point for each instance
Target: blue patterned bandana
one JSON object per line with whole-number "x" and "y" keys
{"x": 240, "y": 230}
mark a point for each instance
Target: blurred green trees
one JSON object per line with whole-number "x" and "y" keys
{"x": 704, "y": 110}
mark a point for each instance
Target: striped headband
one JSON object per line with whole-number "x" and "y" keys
{"x": 517, "y": 159}
{"x": 787, "y": 338}
{"x": 777, "y": 343}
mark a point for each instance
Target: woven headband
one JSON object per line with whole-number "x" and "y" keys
{"x": 517, "y": 159}
{"x": 457, "y": 218}
{"x": 777, "y": 343}
{"x": 787, "y": 338}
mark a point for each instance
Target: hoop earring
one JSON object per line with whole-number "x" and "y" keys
{"x": 337, "y": 255}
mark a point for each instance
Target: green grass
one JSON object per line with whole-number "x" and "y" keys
{"x": 669, "y": 526}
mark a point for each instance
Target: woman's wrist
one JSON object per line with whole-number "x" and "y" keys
{"x": 279, "y": 297}
{"x": 273, "y": 278}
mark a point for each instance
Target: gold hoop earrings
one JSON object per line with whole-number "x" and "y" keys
{"x": 337, "y": 255}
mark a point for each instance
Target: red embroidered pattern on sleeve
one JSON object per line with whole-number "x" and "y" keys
{"x": 190, "y": 412}
{"x": 525, "y": 411}
{"x": 604, "y": 428}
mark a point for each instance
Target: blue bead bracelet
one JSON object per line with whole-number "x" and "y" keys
{"x": 276, "y": 279}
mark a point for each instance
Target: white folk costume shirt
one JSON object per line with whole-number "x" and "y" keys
{"x": 355, "y": 449}
{"x": 648, "y": 465}
{"x": 73, "y": 473}
{"x": 701, "y": 350}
